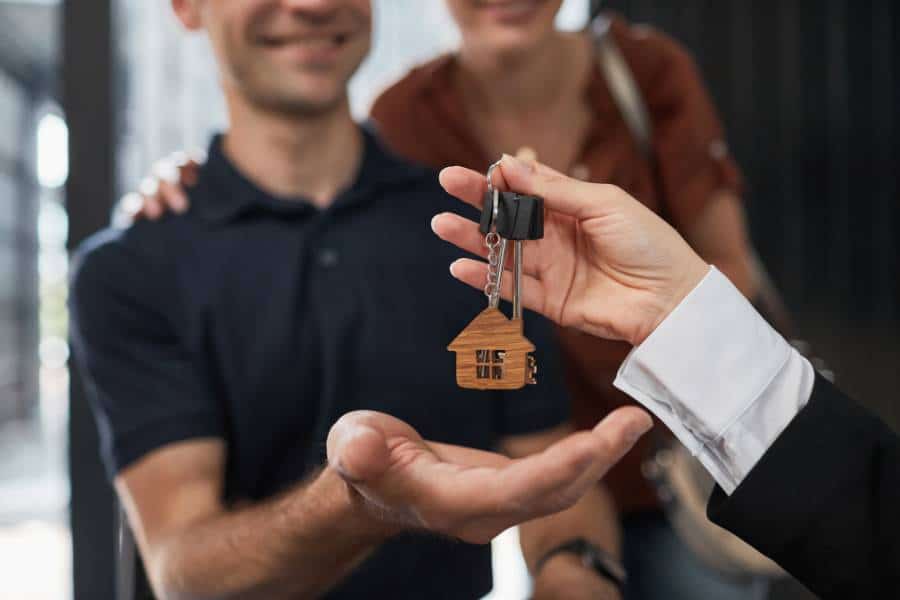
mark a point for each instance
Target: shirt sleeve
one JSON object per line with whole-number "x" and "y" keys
{"x": 690, "y": 150}
{"x": 143, "y": 385}
{"x": 542, "y": 406}
{"x": 718, "y": 375}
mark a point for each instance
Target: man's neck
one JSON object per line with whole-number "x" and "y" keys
{"x": 527, "y": 81}
{"x": 310, "y": 157}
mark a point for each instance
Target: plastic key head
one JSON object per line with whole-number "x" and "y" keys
{"x": 518, "y": 216}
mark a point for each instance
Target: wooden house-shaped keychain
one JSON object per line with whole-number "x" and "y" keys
{"x": 492, "y": 353}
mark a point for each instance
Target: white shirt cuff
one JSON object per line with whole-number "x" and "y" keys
{"x": 717, "y": 374}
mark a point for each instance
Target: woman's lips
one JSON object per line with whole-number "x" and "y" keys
{"x": 512, "y": 11}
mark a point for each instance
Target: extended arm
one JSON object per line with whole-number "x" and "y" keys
{"x": 812, "y": 477}
{"x": 295, "y": 545}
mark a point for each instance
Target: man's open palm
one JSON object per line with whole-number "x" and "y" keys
{"x": 471, "y": 494}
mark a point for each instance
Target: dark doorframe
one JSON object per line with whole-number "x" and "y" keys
{"x": 88, "y": 99}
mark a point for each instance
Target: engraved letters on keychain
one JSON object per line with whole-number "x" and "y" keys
{"x": 492, "y": 352}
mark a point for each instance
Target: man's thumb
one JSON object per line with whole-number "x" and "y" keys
{"x": 357, "y": 450}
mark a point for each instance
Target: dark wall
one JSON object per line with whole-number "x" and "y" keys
{"x": 88, "y": 99}
{"x": 810, "y": 95}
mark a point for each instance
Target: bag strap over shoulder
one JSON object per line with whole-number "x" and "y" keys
{"x": 622, "y": 85}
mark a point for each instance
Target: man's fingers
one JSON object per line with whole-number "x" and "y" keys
{"x": 362, "y": 454}
{"x": 538, "y": 485}
{"x": 357, "y": 448}
{"x": 358, "y": 443}
{"x": 614, "y": 437}
{"x": 461, "y": 455}
{"x": 608, "y": 443}
{"x": 546, "y": 482}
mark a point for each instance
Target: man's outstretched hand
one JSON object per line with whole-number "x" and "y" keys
{"x": 470, "y": 494}
{"x": 606, "y": 265}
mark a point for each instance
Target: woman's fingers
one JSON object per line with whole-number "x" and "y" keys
{"x": 467, "y": 185}
{"x": 459, "y": 231}
{"x": 474, "y": 273}
{"x": 190, "y": 173}
{"x": 173, "y": 196}
{"x": 470, "y": 186}
{"x": 169, "y": 192}
{"x": 568, "y": 196}
{"x": 188, "y": 166}
{"x": 465, "y": 234}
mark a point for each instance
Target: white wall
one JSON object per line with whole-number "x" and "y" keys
{"x": 13, "y": 111}
{"x": 171, "y": 97}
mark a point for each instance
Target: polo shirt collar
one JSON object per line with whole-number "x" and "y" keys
{"x": 225, "y": 194}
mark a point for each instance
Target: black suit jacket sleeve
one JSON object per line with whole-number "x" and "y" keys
{"x": 824, "y": 501}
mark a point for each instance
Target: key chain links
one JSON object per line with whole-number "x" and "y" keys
{"x": 496, "y": 246}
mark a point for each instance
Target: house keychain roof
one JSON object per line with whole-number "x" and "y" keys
{"x": 493, "y": 353}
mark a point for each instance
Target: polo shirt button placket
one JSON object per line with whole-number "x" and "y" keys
{"x": 328, "y": 258}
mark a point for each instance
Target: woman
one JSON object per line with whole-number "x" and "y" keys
{"x": 520, "y": 86}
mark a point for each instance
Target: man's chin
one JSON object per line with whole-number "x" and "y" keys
{"x": 302, "y": 104}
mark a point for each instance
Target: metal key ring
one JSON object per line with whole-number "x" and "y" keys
{"x": 492, "y": 190}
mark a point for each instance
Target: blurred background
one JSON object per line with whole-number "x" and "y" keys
{"x": 92, "y": 93}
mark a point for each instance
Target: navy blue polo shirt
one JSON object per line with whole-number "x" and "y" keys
{"x": 262, "y": 320}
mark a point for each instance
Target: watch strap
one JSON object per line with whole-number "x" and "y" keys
{"x": 592, "y": 557}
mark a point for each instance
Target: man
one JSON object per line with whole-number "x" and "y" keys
{"x": 221, "y": 346}
{"x": 805, "y": 475}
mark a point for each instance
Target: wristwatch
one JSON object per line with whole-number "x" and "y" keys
{"x": 591, "y": 557}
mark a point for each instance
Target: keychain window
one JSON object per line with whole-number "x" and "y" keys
{"x": 489, "y": 364}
